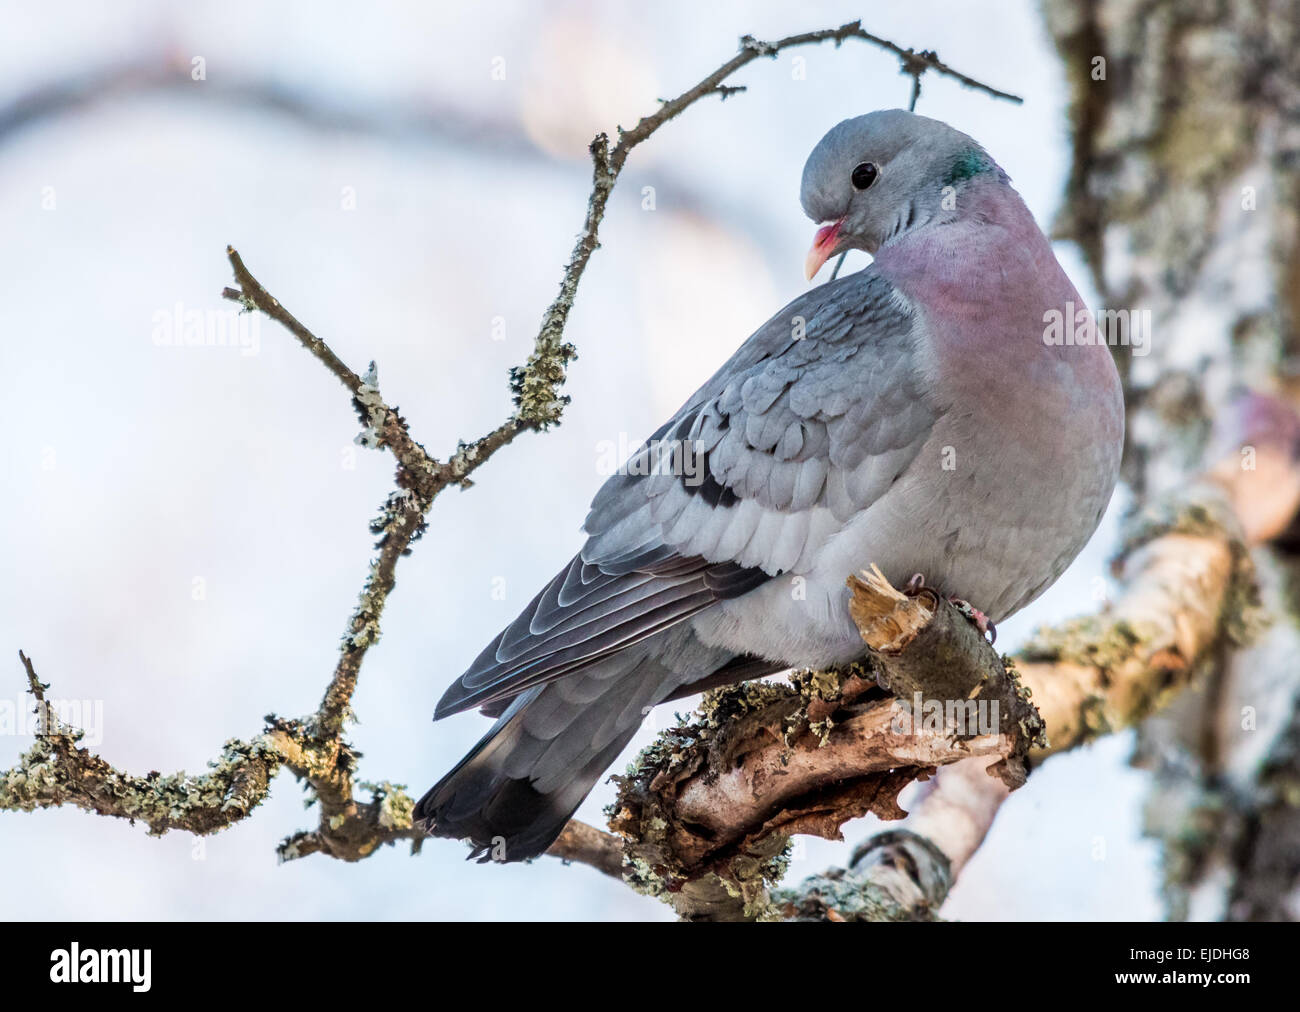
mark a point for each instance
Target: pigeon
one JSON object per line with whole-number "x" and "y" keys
{"x": 915, "y": 415}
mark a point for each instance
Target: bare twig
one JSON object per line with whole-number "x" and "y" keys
{"x": 56, "y": 771}
{"x": 588, "y": 845}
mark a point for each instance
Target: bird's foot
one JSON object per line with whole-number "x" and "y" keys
{"x": 981, "y": 620}
{"x": 917, "y": 584}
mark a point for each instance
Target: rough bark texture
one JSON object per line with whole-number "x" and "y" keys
{"x": 1184, "y": 195}
{"x": 707, "y": 810}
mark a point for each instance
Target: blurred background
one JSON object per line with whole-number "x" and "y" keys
{"x": 186, "y": 523}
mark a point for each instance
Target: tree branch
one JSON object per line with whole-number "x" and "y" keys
{"x": 708, "y": 809}
{"x": 1190, "y": 594}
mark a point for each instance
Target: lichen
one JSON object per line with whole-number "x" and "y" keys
{"x": 395, "y": 809}
{"x": 820, "y": 690}
{"x": 1244, "y": 616}
{"x": 1034, "y": 731}
{"x": 1094, "y": 641}
{"x": 535, "y": 386}
{"x": 642, "y": 877}
{"x": 52, "y": 773}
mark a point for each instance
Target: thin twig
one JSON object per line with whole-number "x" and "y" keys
{"x": 583, "y": 844}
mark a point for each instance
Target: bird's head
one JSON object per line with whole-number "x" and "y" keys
{"x": 875, "y": 178}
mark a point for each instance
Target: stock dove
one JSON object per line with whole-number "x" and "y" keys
{"x": 911, "y": 415}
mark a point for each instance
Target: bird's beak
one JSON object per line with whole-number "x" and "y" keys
{"x": 822, "y": 248}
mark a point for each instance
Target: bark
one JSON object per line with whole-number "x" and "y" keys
{"x": 707, "y": 810}
{"x": 1183, "y": 196}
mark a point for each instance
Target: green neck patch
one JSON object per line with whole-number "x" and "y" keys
{"x": 970, "y": 162}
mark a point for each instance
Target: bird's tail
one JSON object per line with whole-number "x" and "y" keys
{"x": 513, "y": 793}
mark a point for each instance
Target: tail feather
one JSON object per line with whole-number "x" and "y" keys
{"x": 513, "y": 793}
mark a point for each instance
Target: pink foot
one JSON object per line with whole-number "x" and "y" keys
{"x": 917, "y": 584}
{"x": 981, "y": 620}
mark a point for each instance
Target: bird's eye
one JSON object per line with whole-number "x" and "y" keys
{"x": 864, "y": 175}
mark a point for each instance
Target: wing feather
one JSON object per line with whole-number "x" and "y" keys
{"x": 790, "y": 439}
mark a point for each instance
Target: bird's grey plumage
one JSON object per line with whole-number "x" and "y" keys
{"x": 797, "y": 432}
{"x": 821, "y": 446}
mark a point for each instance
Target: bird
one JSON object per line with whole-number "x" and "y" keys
{"x": 911, "y": 415}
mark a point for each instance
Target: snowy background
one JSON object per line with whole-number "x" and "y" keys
{"x": 186, "y": 527}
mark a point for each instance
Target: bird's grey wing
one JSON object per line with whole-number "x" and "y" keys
{"x": 807, "y": 424}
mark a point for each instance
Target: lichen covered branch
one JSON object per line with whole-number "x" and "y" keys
{"x": 1190, "y": 593}
{"x": 1189, "y": 590}
{"x": 708, "y": 808}
{"x": 56, "y": 770}
{"x": 707, "y": 811}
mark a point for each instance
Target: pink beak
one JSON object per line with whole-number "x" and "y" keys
{"x": 822, "y": 248}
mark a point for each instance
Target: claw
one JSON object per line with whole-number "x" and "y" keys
{"x": 915, "y": 584}
{"x": 981, "y": 620}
